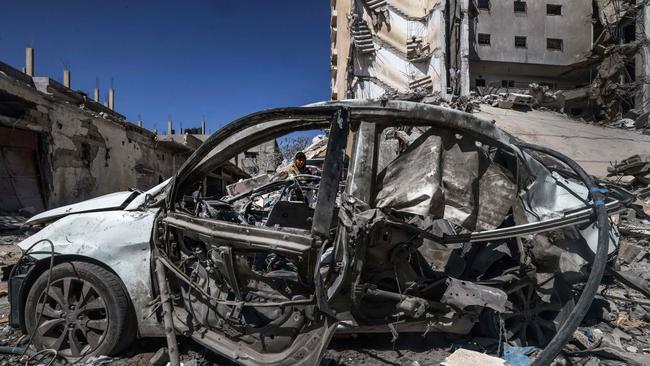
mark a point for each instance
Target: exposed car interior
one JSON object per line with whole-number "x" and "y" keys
{"x": 391, "y": 243}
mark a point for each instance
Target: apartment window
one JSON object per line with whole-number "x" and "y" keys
{"x": 250, "y": 154}
{"x": 520, "y": 42}
{"x": 553, "y": 9}
{"x": 484, "y": 4}
{"x": 484, "y": 39}
{"x": 520, "y": 6}
{"x": 507, "y": 83}
{"x": 480, "y": 82}
{"x": 554, "y": 44}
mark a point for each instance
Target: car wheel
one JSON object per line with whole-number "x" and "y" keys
{"x": 531, "y": 321}
{"x": 84, "y": 312}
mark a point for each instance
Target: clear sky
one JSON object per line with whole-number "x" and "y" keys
{"x": 220, "y": 59}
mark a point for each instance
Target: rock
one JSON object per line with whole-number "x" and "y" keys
{"x": 625, "y": 123}
{"x": 630, "y": 253}
{"x": 581, "y": 340}
{"x": 612, "y": 340}
{"x": 632, "y": 349}
{"x": 464, "y": 357}
{"x": 619, "y": 334}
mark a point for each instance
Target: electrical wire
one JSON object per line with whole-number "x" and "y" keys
{"x": 47, "y": 288}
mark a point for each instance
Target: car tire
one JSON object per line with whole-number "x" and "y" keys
{"x": 85, "y": 311}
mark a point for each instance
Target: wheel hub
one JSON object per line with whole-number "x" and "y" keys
{"x": 72, "y": 317}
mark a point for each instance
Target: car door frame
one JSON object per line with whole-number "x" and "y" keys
{"x": 308, "y": 346}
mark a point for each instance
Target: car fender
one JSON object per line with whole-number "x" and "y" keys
{"x": 120, "y": 240}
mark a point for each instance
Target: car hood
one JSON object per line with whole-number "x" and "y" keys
{"x": 112, "y": 201}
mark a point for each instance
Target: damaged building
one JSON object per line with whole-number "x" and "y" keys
{"x": 594, "y": 54}
{"x": 59, "y": 146}
{"x": 516, "y": 43}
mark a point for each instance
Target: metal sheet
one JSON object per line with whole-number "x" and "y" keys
{"x": 412, "y": 182}
{"x": 463, "y": 294}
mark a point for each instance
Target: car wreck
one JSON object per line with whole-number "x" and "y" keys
{"x": 423, "y": 219}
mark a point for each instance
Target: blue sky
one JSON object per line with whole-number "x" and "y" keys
{"x": 188, "y": 59}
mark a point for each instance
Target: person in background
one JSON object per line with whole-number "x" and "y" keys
{"x": 298, "y": 167}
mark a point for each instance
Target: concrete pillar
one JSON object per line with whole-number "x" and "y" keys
{"x": 202, "y": 126}
{"x": 464, "y": 49}
{"x": 96, "y": 94}
{"x": 66, "y": 77}
{"x": 438, "y": 60}
{"x": 642, "y": 69}
{"x": 29, "y": 61}
{"x": 111, "y": 99}
{"x": 169, "y": 126}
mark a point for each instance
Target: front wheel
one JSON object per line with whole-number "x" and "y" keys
{"x": 84, "y": 312}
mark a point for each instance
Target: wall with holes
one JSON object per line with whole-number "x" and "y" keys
{"x": 80, "y": 154}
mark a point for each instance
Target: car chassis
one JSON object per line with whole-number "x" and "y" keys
{"x": 358, "y": 259}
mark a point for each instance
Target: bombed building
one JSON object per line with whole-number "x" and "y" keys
{"x": 59, "y": 146}
{"x": 590, "y": 56}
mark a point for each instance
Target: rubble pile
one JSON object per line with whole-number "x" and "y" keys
{"x": 616, "y": 329}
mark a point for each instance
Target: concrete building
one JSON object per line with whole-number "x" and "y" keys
{"x": 410, "y": 49}
{"x": 516, "y": 43}
{"x": 57, "y": 146}
{"x": 261, "y": 159}
{"x": 387, "y": 47}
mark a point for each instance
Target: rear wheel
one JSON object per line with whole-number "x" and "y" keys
{"x": 84, "y": 312}
{"x": 530, "y": 321}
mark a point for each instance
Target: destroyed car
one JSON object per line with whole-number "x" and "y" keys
{"x": 440, "y": 222}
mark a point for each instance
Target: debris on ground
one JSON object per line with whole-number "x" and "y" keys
{"x": 464, "y": 357}
{"x": 510, "y": 322}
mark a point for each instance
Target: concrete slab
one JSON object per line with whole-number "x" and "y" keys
{"x": 593, "y": 147}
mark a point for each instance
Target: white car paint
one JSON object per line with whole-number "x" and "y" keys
{"x": 121, "y": 240}
{"x": 112, "y": 201}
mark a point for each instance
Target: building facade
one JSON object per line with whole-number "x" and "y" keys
{"x": 516, "y": 43}
{"x": 381, "y": 47}
{"x": 58, "y": 147}
{"x": 384, "y": 48}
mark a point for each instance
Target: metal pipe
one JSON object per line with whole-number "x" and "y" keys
{"x": 111, "y": 98}
{"x": 29, "y": 61}
{"x": 170, "y": 333}
{"x": 66, "y": 78}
